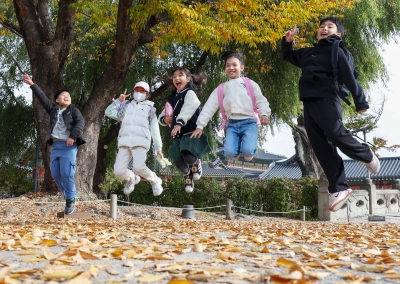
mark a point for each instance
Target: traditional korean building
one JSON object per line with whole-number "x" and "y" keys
{"x": 355, "y": 171}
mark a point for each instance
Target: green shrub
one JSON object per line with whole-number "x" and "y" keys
{"x": 272, "y": 195}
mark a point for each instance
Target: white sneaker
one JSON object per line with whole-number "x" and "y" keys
{"x": 338, "y": 199}
{"x": 189, "y": 185}
{"x": 196, "y": 170}
{"x": 374, "y": 166}
{"x": 130, "y": 185}
{"x": 157, "y": 186}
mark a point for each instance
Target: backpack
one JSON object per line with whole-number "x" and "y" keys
{"x": 250, "y": 92}
{"x": 341, "y": 88}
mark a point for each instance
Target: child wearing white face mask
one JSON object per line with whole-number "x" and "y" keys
{"x": 138, "y": 126}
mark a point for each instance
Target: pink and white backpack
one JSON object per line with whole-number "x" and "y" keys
{"x": 250, "y": 92}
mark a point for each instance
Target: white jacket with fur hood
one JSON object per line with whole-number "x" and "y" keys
{"x": 136, "y": 129}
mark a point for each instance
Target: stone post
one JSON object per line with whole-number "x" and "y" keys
{"x": 368, "y": 185}
{"x": 323, "y": 200}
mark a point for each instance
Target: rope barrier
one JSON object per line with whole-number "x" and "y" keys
{"x": 300, "y": 210}
{"x": 150, "y": 206}
{"x": 136, "y": 204}
{"x": 52, "y": 202}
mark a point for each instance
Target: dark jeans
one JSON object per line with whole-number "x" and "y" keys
{"x": 323, "y": 122}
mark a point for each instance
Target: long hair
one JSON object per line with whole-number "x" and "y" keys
{"x": 195, "y": 80}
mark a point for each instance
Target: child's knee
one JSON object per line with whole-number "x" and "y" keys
{"x": 248, "y": 158}
{"x": 248, "y": 153}
{"x": 231, "y": 154}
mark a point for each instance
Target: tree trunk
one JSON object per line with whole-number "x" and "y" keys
{"x": 306, "y": 158}
{"x": 128, "y": 42}
{"x": 101, "y": 169}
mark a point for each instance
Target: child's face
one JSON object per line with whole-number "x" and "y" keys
{"x": 326, "y": 29}
{"x": 233, "y": 68}
{"x": 64, "y": 99}
{"x": 180, "y": 80}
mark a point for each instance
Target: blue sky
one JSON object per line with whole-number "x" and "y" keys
{"x": 388, "y": 125}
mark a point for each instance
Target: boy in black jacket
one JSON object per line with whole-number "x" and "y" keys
{"x": 65, "y": 135}
{"x": 322, "y": 106}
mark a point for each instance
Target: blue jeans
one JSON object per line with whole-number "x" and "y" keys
{"x": 63, "y": 167}
{"x": 241, "y": 138}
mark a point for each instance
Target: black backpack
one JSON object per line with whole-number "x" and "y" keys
{"x": 341, "y": 88}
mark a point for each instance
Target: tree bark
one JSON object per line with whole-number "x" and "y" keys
{"x": 306, "y": 158}
{"x": 102, "y": 147}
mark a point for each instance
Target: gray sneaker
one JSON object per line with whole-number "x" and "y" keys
{"x": 157, "y": 186}
{"x": 374, "y": 166}
{"x": 69, "y": 206}
{"x": 130, "y": 185}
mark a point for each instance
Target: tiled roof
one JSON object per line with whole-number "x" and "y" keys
{"x": 355, "y": 171}
{"x": 261, "y": 156}
{"x": 287, "y": 168}
{"x": 390, "y": 169}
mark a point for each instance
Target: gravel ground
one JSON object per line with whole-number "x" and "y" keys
{"x": 144, "y": 244}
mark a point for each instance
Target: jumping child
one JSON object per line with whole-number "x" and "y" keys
{"x": 241, "y": 130}
{"x": 138, "y": 125}
{"x": 322, "y": 106}
{"x": 185, "y": 151}
{"x": 64, "y": 136}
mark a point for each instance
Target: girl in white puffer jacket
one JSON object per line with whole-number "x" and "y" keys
{"x": 138, "y": 125}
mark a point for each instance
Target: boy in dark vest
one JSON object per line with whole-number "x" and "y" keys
{"x": 322, "y": 106}
{"x": 64, "y": 136}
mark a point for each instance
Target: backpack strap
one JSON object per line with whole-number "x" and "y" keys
{"x": 334, "y": 62}
{"x": 221, "y": 105}
{"x": 152, "y": 113}
{"x": 252, "y": 96}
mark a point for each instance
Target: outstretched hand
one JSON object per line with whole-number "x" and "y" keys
{"x": 27, "y": 80}
{"x": 123, "y": 96}
{"x": 291, "y": 33}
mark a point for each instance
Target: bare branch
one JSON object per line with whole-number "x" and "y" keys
{"x": 12, "y": 27}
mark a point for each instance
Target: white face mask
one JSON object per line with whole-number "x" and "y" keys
{"x": 137, "y": 96}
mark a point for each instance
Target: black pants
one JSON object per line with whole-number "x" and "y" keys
{"x": 183, "y": 164}
{"x": 323, "y": 122}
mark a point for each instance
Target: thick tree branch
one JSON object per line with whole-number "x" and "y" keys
{"x": 45, "y": 21}
{"x": 64, "y": 29}
{"x": 11, "y": 27}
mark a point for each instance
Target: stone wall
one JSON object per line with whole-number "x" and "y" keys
{"x": 362, "y": 203}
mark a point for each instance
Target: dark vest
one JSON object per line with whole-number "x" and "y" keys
{"x": 176, "y": 102}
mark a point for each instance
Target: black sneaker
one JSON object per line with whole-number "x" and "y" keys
{"x": 196, "y": 170}
{"x": 69, "y": 206}
{"x": 189, "y": 185}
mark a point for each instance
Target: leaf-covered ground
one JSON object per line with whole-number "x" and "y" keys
{"x": 155, "y": 245}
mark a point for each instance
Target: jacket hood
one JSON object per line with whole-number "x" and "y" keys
{"x": 328, "y": 40}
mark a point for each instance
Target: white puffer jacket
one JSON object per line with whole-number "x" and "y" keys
{"x": 135, "y": 128}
